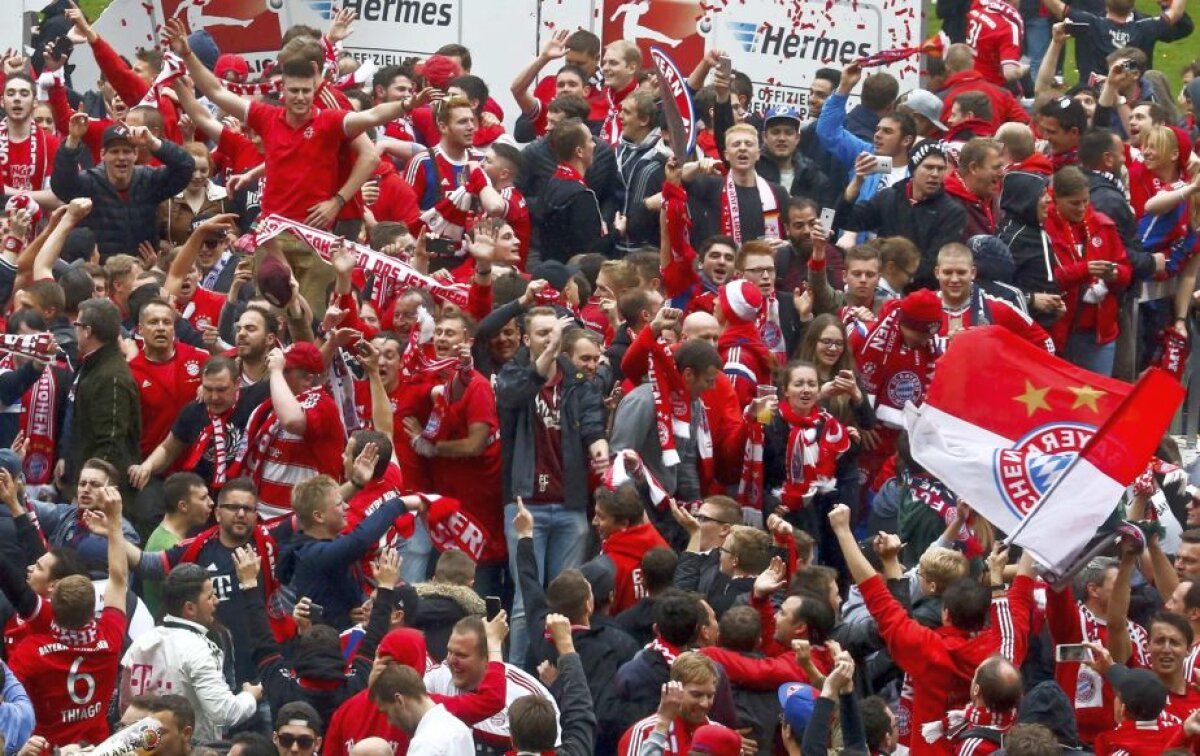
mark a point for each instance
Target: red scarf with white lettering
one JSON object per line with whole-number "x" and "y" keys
{"x": 815, "y": 441}
{"x": 282, "y": 624}
{"x": 216, "y": 432}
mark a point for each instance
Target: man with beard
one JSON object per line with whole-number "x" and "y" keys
{"x": 237, "y": 525}
{"x": 26, "y": 149}
{"x": 784, "y": 164}
{"x": 124, "y": 195}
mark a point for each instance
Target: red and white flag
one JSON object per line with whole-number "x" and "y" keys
{"x": 1041, "y": 448}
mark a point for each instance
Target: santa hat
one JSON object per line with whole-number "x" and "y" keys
{"x": 741, "y": 301}
{"x": 921, "y": 310}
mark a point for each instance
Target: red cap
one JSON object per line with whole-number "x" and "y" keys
{"x": 717, "y": 740}
{"x": 232, "y": 64}
{"x": 304, "y": 355}
{"x": 921, "y": 310}
{"x": 439, "y": 70}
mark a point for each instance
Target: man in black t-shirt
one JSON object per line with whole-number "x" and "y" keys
{"x": 1118, "y": 27}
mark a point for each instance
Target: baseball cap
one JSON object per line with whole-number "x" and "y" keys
{"x": 782, "y": 113}
{"x": 116, "y": 133}
{"x": 926, "y": 103}
{"x": 304, "y": 355}
{"x": 797, "y": 700}
{"x": 229, "y": 63}
{"x": 1142, "y": 693}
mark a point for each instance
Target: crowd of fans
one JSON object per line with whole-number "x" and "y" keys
{"x": 336, "y": 417}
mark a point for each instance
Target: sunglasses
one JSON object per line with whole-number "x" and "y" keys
{"x": 287, "y": 740}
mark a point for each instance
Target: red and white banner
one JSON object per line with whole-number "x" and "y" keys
{"x": 1041, "y": 448}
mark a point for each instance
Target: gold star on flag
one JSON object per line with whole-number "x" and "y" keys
{"x": 1086, "y": 396}
{"x": 1034, "y": 398}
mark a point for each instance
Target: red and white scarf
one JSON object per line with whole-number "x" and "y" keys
{"x": 216, "y": 432}
{"x": 731, "y": 218}
{"x": 815, "y": 441}
{"x": 368, "y": 260}
{"x": 618, "y": 472}
{"x": 172, "y": 70}
{"x": 39, "y": 422}
{"x": 958, "y": 721}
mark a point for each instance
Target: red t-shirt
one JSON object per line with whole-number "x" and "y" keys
{"x": 474, "y": 481}
{"x": 204, "y": 309}
{"x": 21, "y": 171}
{"x": 71, "y": 682}
{"x": 547, "y": 443}
{"x": 165, "y": 388}
{"x": 996, "y": 38}
{"x": 299, "y": 160}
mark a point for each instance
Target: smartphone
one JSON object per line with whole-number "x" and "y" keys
{"x": 316, "y": 613}
{"x": 493, "y": 606}
{"x": 1072, "y": 652}
{"x": 827, "y": 216}
{"x": 1074, "y": 28}
{"x": 883, "y": 164}
{"x": 725, "y": 65}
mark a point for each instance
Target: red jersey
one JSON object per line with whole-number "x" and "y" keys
{"x": 165, "y": 388}
{"x": 278, "y": 460}
{"x": 994, "y": 31}
{"x": 71, "y": 676}
{"x": 475, "y": 481}
{"x": 204, "y": 309}
{"x": 28, "y": 164}
{"x": 298, "y": 159}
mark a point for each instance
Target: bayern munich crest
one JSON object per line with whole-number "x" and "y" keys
{"x": 1026, "y": 472}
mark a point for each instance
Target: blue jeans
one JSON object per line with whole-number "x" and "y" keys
{"x": 559, "y": 543}
{"x": 1037, "y": 40}
{"x": 1082, "y": 350}
{"x": 416, "y": 552}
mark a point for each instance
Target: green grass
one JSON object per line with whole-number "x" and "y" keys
{"x": 1169, "y": 58}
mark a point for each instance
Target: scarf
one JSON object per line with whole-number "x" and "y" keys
{"x": 76, "y": 638}
{"x": 668, "y": 652}
{"x": 172, "y": 70}
{"x": 282, "y": 625}
{"x": 216, "y": 432}
{"x": 37, "y": 138}
{"x": 942, "y": 502}
{"x": 958, "y": 721}
{"x": 618, "y": 473}
{"x": 39, "y": 421}
{"x": 210, "y": 278}
{"x": 815, "y": 441}
{"x": 731, "y": 219}
{"x": 368, "y": 260}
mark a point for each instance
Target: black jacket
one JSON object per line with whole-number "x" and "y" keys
{"x": 931, "y": 223}
{"x": 122, "y": 221}
{"x": 581, "y": 423}
{"x": 808, "y": 179}
{"x": 567, "y": 221}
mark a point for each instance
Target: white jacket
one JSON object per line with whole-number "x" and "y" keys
{"x": 177, "y": 657}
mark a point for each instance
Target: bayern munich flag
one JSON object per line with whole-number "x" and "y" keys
{"x": 1041, "y": 448}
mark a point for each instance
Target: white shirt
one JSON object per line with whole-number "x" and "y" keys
{"x": 440, "y": 733}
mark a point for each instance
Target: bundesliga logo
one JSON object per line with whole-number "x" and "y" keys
{"x": 1027, "y": 471}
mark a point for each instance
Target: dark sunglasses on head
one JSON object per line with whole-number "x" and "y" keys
{"x": 287, "y": 740}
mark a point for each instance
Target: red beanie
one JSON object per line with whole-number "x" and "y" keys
{"x": 741, "y": 301}
{"x": 922, "y": 310}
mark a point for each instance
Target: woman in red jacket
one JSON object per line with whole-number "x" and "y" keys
{"x": 1088, "y": 262}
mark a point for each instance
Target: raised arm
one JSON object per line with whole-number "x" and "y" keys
{"x": 206, "y": 81}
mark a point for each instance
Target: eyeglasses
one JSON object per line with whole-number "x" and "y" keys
{"x": 238, "y": 508}
{"x": 287, "y": 740}
{"x": 703, "y": 518}
{"x": 829, "y": 343}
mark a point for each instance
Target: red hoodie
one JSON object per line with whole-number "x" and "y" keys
{"x": 360, "y": 718}
{"x": 626, "y": 548}
{"x": 942, "y": 662}
{"x": 1100, "y": 240}
{"x": 981, "y": 212}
